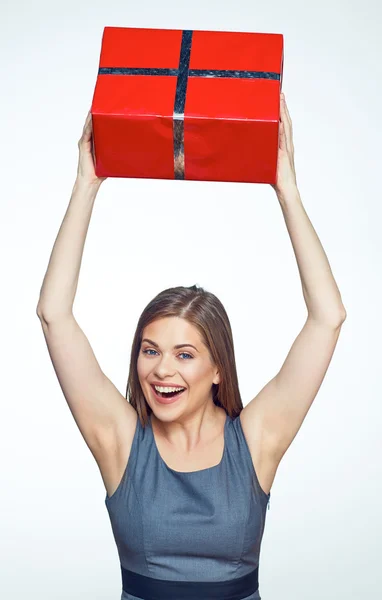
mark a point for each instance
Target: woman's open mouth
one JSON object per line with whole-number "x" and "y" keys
{"x": 166, "y": 395}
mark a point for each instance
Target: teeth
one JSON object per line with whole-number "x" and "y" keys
{"x": 167, "y": 389}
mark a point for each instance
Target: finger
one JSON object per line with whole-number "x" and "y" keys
{"x": 284, "y": 113}
{"x": 284, "y": 107}
{"x": 87, "y": 129}
{"x": 288, "y": 117}
{"x": 287, "y": 123}
{"x": 88, "y": 116}
{"x": 283, "y": 130}
{"x": 88, "y": 122}
{"x": 282, "y": 138}
{"x": 289, "y": 120}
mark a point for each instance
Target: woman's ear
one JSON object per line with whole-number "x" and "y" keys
{"x": 216, "y": 378}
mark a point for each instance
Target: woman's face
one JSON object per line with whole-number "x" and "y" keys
{"x": 163, "y": 363}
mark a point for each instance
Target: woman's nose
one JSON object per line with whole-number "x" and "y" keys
{"x": 165, "y": 368}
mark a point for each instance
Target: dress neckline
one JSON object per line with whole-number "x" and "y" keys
{"x": 207, "y": 469}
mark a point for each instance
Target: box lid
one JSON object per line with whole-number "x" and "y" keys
{"x": 234, "y": 75}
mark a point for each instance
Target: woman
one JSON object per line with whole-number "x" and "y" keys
{"x": 187, "y": 469}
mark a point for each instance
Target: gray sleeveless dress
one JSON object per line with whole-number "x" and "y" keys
{"x": 203, "y": 525}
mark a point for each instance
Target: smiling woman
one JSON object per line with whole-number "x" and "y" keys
{"x": 187, "y": 469}
{"x": 184, "y": 339}
{"x": 189, "y": 463}
{"x": 168, "y": 374}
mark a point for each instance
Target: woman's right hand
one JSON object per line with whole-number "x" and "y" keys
{"x": 86, "y": 170}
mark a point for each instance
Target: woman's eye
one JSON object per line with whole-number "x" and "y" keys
{"x": 149, "y": 350}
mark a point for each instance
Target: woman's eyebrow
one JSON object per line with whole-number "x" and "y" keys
{"x": 175, "y": 347}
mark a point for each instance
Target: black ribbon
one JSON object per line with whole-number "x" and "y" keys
{"x": 183, "y": 73}
{"x": 150, "y": 588}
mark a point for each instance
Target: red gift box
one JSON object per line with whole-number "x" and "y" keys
{"x": 180, "y": 104}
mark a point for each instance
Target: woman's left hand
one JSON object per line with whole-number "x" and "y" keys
{"x": 286, "y": 173}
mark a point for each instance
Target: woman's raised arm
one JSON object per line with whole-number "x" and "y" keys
{"x": 61, "y": 279}
{"x": 105, "y": 418}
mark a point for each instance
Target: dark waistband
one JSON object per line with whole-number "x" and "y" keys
{"x": 149, "y": 588}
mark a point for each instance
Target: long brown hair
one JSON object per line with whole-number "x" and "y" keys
{"x": 205, "y": 311}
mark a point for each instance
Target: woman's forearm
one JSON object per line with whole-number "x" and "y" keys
{"x": 61, "y": 279}
{"x": 321, "y": 294}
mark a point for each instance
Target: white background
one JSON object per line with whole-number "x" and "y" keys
{"x": 323, "y": 533}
